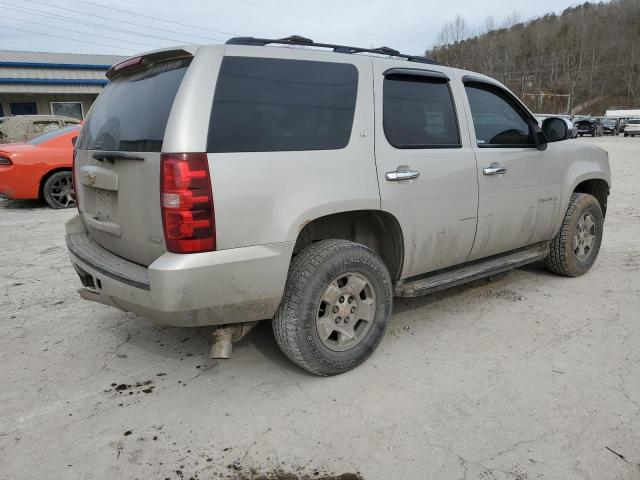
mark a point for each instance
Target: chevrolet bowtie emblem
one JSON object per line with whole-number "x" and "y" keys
{"x": 90, "y": 178}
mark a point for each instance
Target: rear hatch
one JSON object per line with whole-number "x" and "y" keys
{"x": 117, "y": 159}
{"x": 584, "y": 125}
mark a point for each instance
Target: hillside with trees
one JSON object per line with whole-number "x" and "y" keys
{"x": 583, "y": 61}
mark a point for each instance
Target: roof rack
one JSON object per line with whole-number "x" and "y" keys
{"x": 298, "y": 40}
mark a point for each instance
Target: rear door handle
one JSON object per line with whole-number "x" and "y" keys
{"x": 494, "y": 169}
{"x": 401, "y": 174}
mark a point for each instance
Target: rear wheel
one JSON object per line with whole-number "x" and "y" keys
{"x": 336, "y": 306}
{"x": 575, "y": 248}
{"x": 58, "y": 190}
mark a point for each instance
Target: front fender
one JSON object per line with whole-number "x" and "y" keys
{"x": 586, "y": 162}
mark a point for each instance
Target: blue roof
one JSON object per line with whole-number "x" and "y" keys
{"x": 68, "y": 66}
{"x": 52, "y": 81}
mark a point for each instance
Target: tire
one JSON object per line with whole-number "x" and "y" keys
{"x": 58, "y": 190}
{"x": 567, "y": 257}
{"x": 625, "y": 134}
{"x": 310, "y": 295}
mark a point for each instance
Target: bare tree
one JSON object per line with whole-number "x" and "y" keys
{"x": 590, "y": 52}
{"x": 489, "y": 24}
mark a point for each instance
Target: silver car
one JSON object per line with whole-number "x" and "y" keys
{"x": 227, "y": 184}
{"x": 22, "y": 128}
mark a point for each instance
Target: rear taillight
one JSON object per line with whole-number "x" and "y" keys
{"x": 187, "y": 203}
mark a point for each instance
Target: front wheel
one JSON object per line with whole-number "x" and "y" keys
{"x": 58, "y": 190}
{"x": 336, "y": 306}
{"x": 575, "y": 248}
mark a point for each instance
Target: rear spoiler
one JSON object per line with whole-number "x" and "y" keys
{"x": 144, "y": 61}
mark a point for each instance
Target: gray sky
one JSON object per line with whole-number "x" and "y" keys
{"x": 407, "y": 25}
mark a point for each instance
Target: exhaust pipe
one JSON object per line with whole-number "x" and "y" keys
{"x": 225, "y": 335}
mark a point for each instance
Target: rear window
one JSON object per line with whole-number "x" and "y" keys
{"x": 266, "y": 105}
{"x": 51, "y": 135}
{"x": 132, "y": 111}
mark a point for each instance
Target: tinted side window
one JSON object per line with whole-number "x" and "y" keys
{"x": 132, "y": 111}
{"x": 418, "y": 112}
{"x": 497, "y": 120}
{"x": 266, "y": 105}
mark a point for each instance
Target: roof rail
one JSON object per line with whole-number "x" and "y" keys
{"x": 298, "y": 40}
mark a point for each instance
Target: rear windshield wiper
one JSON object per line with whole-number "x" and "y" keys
{"x": 111, "y": 156}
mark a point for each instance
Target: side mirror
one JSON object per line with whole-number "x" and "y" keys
{"x": 555, "y": 129}
{"x": 74, "y": 140}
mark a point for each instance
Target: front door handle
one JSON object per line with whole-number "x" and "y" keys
{"x": 494, "y": 169}
{"x": 401, "y": 174}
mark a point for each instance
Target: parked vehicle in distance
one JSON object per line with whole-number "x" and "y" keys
{"x": 610, "y": 126}
{"x": 632, "y": 128}
{"x": 25, "y": 127}
{"x": 621, "y": 124}
{"x": 591, "y": 126}
{"x": 226, "y": 184}
{"x": 572, "y": 126}
{"x": 40, "y": 168}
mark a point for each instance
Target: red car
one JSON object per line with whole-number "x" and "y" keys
{"x": 40, "y": 168}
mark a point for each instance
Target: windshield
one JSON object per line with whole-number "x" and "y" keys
{"x": 51, "y": 135}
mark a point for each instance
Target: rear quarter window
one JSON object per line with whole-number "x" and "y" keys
{"x": 132, "y": 111}
{"x": 265, "y": 105}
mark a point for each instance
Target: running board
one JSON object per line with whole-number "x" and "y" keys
{"x": 468, "y": 273}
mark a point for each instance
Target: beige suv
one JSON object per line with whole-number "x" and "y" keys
{"x": 22, "y": 128}
{"x": 226, "y": 184}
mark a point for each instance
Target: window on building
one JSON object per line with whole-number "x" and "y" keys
{"x": 68, "y": 109}
{"x": 270, "y": 105}
{"x": 23, "y": 108}
{"x": 418, "y": 112}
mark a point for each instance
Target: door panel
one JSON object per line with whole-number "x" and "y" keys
{"x": 437, "y": 210}
{"x": 519, "y": 193}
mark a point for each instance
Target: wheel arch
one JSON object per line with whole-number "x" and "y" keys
{"x": 376, "y": 229}
{"x": 597, "y": 187}
{"x": 46, "y": 177}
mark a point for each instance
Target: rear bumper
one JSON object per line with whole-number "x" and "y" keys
{"x": 19, "y": 182}
{"x": 212, "y": 288}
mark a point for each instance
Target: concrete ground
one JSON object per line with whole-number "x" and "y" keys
{"x": 525, "y": 376}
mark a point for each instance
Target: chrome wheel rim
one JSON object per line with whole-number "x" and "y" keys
{"x": 584, "y": 237}
{"x": 61, "y": 192}
{"x": 345, "y": 311}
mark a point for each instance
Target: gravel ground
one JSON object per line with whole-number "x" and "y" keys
{"x": 524, "y": 376}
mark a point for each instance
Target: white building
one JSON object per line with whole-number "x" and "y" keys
{"x": 633, "y": 113}
{"x": 51, "y": 83}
